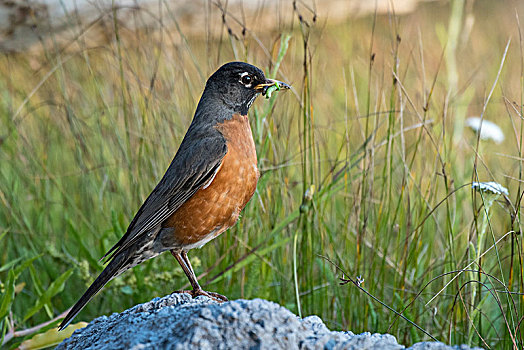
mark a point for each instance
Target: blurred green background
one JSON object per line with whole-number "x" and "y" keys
{"x": 367, "y": 161}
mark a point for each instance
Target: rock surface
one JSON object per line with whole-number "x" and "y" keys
{"x": 179, "y": 322}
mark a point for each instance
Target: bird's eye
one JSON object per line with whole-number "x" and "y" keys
{"x": 246, "y": 79}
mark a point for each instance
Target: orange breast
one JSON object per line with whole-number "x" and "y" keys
{"x": 215, "y": 208}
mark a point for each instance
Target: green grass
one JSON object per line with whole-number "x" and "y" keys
{"x": 366, "y": 162}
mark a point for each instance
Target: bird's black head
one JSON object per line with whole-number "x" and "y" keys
{"x": 237, "y": 84}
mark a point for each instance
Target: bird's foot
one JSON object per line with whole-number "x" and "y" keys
{"x": 211, "y": 295}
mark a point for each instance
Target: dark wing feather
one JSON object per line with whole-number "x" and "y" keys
{"x": 193, "y": 166}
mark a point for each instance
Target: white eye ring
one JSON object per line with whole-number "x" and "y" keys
{"x": 246, "y": 79}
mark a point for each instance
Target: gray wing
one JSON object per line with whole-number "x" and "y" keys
{"x": 193, "y": 166}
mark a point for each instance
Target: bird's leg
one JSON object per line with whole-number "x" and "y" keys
{"x": 188, "y": 270}
{"x": 184, "y": 262}
{"x": 198, "y": 290}
{"x": 191, "y": 275}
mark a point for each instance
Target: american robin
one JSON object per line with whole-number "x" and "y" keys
{"x": 210, "y": 180}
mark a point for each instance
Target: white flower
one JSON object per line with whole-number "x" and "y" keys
{"x": 492, "y": 187}
{"x": 489, "y": 131}
{"x": 309, "y": 193}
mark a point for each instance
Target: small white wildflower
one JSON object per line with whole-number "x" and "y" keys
{"x": 492, "y": 187}
{"x": 488, "y": 130}
{"x": 309, "y": 193}
{"x": 360, "y": 280}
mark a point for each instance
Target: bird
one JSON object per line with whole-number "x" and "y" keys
{"x": 210, "y": 180}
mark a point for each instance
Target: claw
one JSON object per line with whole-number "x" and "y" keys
{"x": 211, "y": 295}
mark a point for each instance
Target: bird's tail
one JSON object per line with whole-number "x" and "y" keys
{"x": 116, "y": 266}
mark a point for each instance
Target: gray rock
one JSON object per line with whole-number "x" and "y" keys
{"x": 179, "y": 322}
